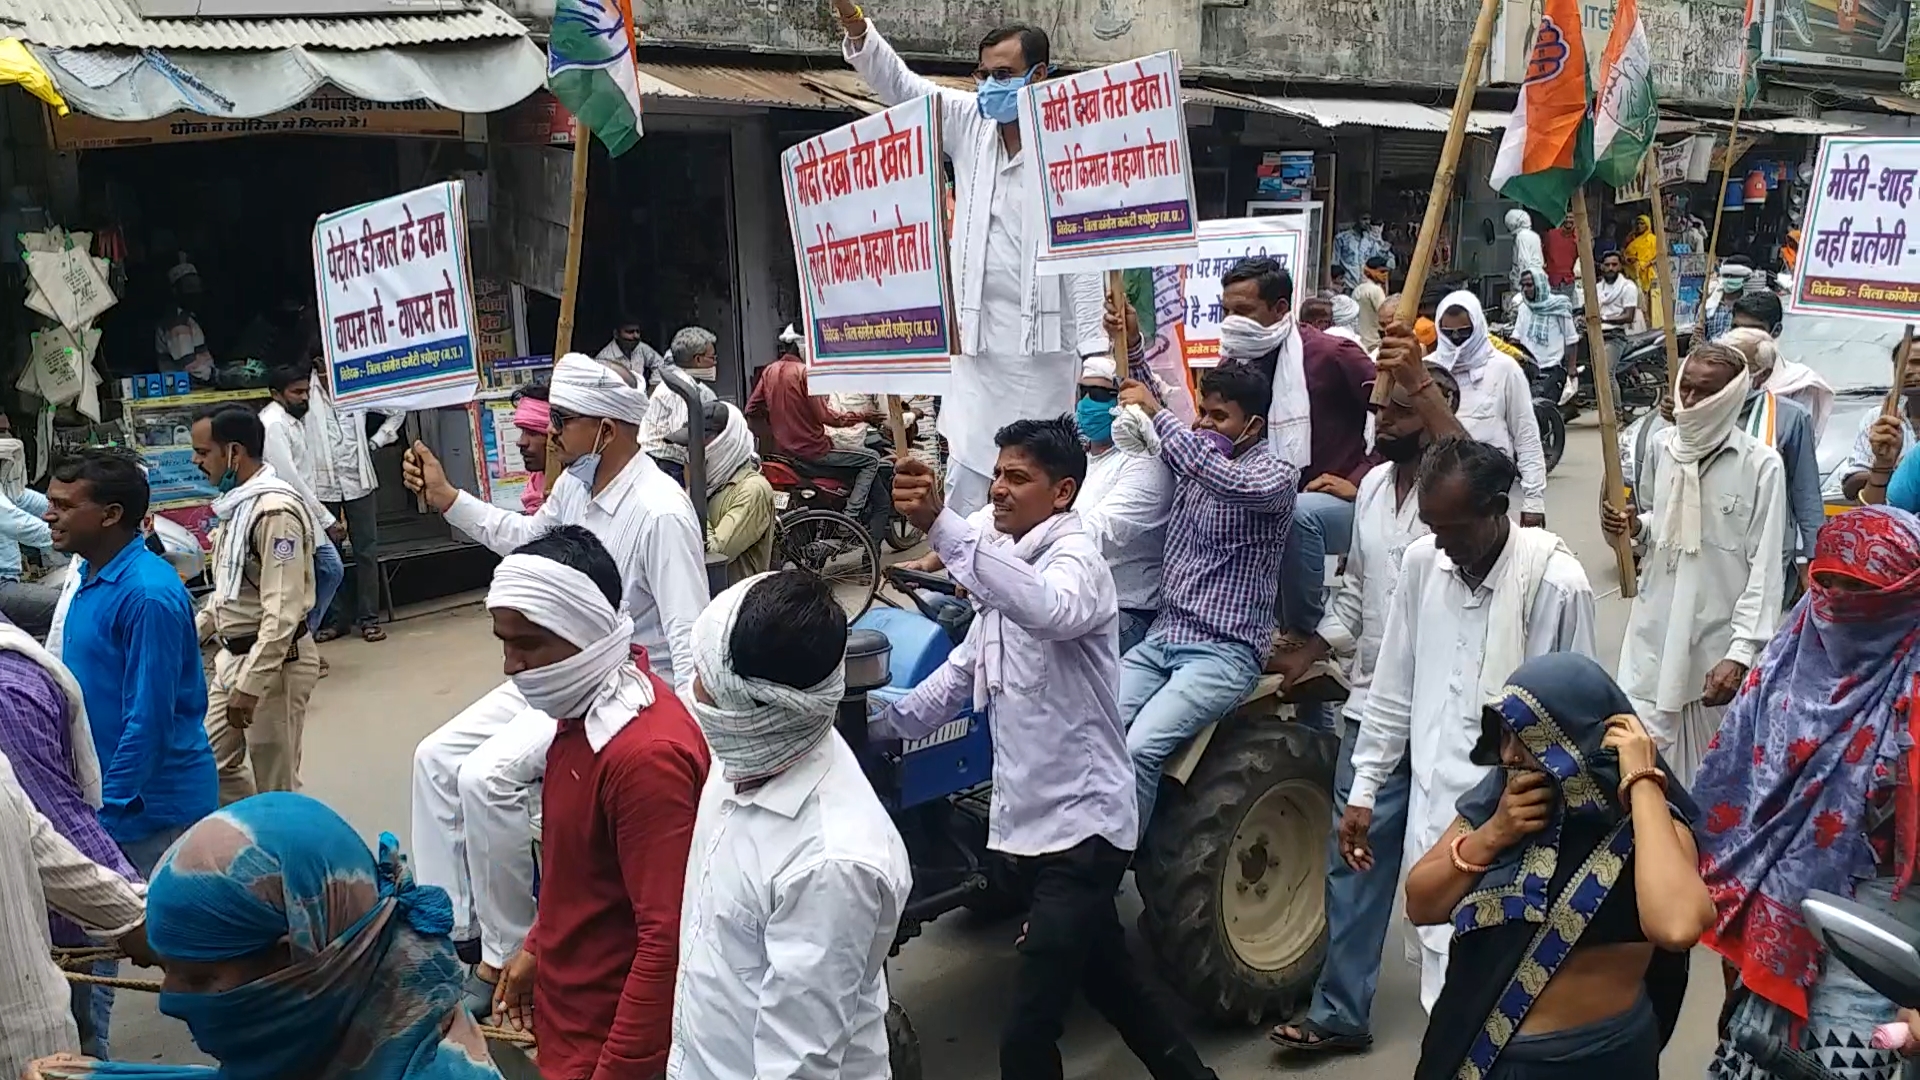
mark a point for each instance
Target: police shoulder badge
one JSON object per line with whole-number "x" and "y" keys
{"x": 283, "y": 549}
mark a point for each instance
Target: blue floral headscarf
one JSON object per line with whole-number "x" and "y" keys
{"x": 373, "y": 992}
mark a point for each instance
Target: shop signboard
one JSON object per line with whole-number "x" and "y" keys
{"x": 396, "y": 301}
{"x": 1854, "y": 34}
{"x": 1688, "y": 161}
{"x": 505, "y": 475}
{"x": 869, "y": 226}
{"x": 1858, "y": 256}
{"x": 1222, "y": 244}
{"x": 330, "y": 112}
{"x": 1114, "y": 175}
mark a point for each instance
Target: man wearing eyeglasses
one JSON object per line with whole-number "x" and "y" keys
{"x": 1123, "y": 504}
{"x": 473, "y": 778}
{"x": 1022, "y": 334}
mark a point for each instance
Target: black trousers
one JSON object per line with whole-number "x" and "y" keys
{"x": 1074, "y": 942}
{"x": 362, "y": 516}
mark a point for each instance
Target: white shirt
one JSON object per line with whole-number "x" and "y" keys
{"x": 336, "y": 444}
{"x": 1721, "y": 603}
{"x": 40, "y": 869}
{"x": 1124, "y": 506}
{"x": 1619, "y": 299}
{"x": 1356, "y": 617}
{"x": 1559, "y": 332}
{"x": 666, "y": 414}
{"x": 793, "y": 895}
{"x": 286, "y": 451}
{"x": 649, "y": 528}
{"x": 1861, "y": 460}
{"x": 1498, "y": 409}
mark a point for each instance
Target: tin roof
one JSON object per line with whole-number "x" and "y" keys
{"x": 89, "y": 24}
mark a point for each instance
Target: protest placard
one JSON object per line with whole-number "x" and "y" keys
{"x": 1857, "y": 257}
{"x": 396, "y": 301}
{"x": 869, "y": 234}
{"x": 1222, "y": 244}
{"x": 1114, "y": 175}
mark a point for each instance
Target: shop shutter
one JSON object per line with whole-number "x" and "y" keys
{"x": 1406, "y": 155}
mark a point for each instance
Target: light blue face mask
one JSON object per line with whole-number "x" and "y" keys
{"x": 586, "y": 465}
{"x": 999, "y": 98}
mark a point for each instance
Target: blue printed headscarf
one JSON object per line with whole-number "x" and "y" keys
{"x": 373, "y": 990}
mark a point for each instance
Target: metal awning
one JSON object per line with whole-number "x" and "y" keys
{"x": 1394, "y": 115}
{"x": 110, "y": 62}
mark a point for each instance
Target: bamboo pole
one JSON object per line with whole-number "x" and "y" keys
{"x": 1891, "y": 406}
{"x": 570, "y": 275}
{"x": 1443, "y": 178}
{"x": 1600, "y": 369}
{"x": 1726, "y": 173}
{"x": 1663, "y": 264}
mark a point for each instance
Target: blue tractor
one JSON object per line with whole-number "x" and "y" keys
{"x": 1232, "y": 869}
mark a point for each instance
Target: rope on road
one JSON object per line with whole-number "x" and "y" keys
{"x": 69, "y": 959}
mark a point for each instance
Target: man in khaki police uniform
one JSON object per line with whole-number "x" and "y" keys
{"x": 266, "y": 665}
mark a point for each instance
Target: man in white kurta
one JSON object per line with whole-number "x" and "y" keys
{"x": 1710, "y": 582}
{"x": 796, "y": 877}
{"x": 1124, "y": 505}
{"x": 1022, "y": 334}
{"x": 472, "y": 779}
{"x": 1454, "y": 633}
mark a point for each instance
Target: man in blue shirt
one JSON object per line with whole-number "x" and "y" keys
{"x": 129, "y": 640}
{"x": 28, "y": 604}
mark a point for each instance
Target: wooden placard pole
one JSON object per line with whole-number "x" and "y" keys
{"x": 1663, "y": 265}
{"x": 1437, "y": 199}
{"x": 1891, "y": 406}
{"x": 570, "y": 275}
{"x": 1726, "y": 173}
{"x": 897, "y": 424}
{"x": 1600, "y": 369}
{"x": 1117, "y": 296}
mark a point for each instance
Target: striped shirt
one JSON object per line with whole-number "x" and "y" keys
{"x": 647, "y": 524}
{"x": 35, "y": 736}
{"x": 40, "y": 869}
{"x": 1224, "y": 540}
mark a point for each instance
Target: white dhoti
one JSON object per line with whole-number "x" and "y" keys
{"x": 473, "y": 782}
{"x": 1431, "y": 807}
{"x": 1681, "y": 737}
{"x": 985, "y": 394}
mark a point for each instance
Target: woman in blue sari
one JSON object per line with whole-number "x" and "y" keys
{"x": 1571, "y": 881}
{"x": 293, "y": 953}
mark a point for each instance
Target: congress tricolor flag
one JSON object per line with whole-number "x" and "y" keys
{"x": 1625, "y": 117}
{"x": 591, "y": 68}
{"x": 1547, "y": 152}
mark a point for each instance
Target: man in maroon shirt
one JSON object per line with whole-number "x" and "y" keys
{"x": 1338, "y": 380}
{"x": 798, "y": 422}
{"x": 624, "y": 774}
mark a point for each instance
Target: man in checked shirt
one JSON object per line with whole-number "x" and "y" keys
{"x": 1232, "y": 508}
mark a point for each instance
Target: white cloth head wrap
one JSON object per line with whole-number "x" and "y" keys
{"x": 1346, "y": 311}
{"x": 1698, "y": 430}
{"x": 1467, "y": 361}
{"x": 590, "y": 388}
{"x": 1290, "y": 419}
{"x": 728, "y": 450}
{"x": 757, "y": 728}
{"x": 558, "y": 598}
{"x": 1100, "y": 366}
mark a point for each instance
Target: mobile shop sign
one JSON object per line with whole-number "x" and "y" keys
{"x": 869, "y": 226}
{"x": 1114, "y": 176}
{"x": 396, "y": 301}
{"x": 1222, "y": 244}
{"x": 1861, "y": 257}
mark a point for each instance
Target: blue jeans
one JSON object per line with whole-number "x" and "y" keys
{"x": 1322, "y": 526}
{"x": 328, "y": 572}
{"x": 1134, "y": 624}
{"x": 1168, "y": 693}
{"x": 1359, "y": 906}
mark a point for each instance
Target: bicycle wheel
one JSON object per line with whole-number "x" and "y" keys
{"x": 834, "y": 548}
{"x": 901, "y": 535}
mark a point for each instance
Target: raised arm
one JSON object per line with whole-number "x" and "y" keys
{"x": 934, "y": 702}
{"x": 1070, "y": 594}
{"x": 892, "y": 80}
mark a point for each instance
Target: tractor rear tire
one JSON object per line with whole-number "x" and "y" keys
{"x": 903, "y": 1046}
{"x": 1232, "y": 875}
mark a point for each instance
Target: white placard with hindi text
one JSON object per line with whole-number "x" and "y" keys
{"x": 1859, "y": 255}
{"x": 396, "y": 301}
{"x": 1222, "y": 244}
{"x": 868, "y": 213}
{"x": 1114, "y": 175}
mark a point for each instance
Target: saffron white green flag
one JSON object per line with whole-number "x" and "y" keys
{"x": 591, "y": 68}
{"x": 1625, "y": 117}
{"x": 1547, "y": 151}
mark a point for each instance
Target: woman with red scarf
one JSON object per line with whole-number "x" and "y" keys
{"x": 1811, "y": 784}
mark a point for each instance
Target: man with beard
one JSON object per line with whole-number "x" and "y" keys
{"x": 286, "y": 450}
{"x": 629, "y": 351}
{"x": 1386, "y": 521}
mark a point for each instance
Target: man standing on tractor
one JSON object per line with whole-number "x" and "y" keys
{"x": 1232, "y": 506}
{"x": 1040, "y": 660}
{"x": 1477, "y": 596}
{"x": 1386, "y": 519}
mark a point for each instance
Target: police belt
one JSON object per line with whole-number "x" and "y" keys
{"x": 241, "y": 646}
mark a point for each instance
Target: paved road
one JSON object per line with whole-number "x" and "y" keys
{"x": 382, "y": 698}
